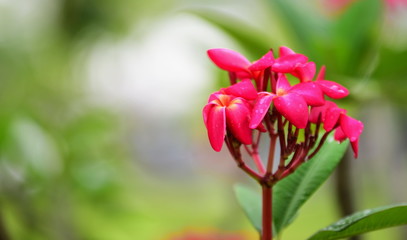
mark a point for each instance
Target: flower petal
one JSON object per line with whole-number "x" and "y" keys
{"x": 216, "y": 126}
{"x": 243, "y": 75}
{"x": 320, "y": 110}
{"x": 321, "y": 74}
{"x": 264, "y": 62}
{"x": 205, "y": 112}
{"x": 339, "y": 135}
{"x": 237, "y": 118}
{"x": 293, "y": 107}
{"x": 351, "y": 127}
{"x": 355, "y": 147}
{"x": 214, "y": 96}
{"x": 260, "y": 108}
{"x": 333, "y": 89}
{"x": 287, "y": 63}
{"x": 332, "y": 117}
{"x": 311, "y": 92}
{"x": 228, "y": 60}
{"x": 283, "y": 51}
{"x": 305, "y": 72}
{"x": 283, "y": 83}
{"x": 244, "y": 89}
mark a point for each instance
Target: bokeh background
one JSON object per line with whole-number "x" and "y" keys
{"x": 101, "y": 135}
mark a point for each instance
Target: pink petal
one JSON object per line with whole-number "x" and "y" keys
{"x": 339, "y": 135}
{"x": 243, "y": 75}
{"x": 282, "y": 83}
{"x": 287, "y": 63}
{"x": 214, "y": 96}
{"x": 237, "y": 118}
{"x": 310, "y": 92}
{"x": 228, "y": 60}
{"x": 260, "y": 109}
{"x": 320, "y": 110}
{"x": 216, "y": 125}
{"x": 293, "y": 107}
{"x": 305, "y": 72}
{"x": 333, "y": 89}
{"x": 205, "y": 112}
{"x": 332, "y": 117}
{"x": 244, "y": 89}
{"x": 264, "y": 62}
{"x": 351, "y": 127}
{"x": 315, "y": 112}
{"x": 283, "y": 51}
{"x": 355, "y": 147}
{"x": 321, "y": 74}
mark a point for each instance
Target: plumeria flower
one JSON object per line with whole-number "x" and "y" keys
{"x": 331, "y": 89}
{"x": 334, "y": 117}
{"x": 231, "y": 61}
{"x": 297, "y": 65}
{"x": 235, "y": 62}
{"x": 349, "y": 128}
{"x": 328, "y": 114}
{"x": 291, "y": 101}
{"x": 230, "y": 109}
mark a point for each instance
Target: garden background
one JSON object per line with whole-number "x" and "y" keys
{"x": 101, "y": 132}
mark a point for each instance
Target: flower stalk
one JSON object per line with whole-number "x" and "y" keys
{"x": 267, "y": 210}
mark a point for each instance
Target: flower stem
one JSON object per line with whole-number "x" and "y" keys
{"x": 258, "y": 162}
{"x": 267, "y": 216}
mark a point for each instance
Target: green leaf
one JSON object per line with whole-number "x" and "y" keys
{"x": 293, "y": 191}
{"x": 250, "y": 201}
{"x": 364, "y": 221}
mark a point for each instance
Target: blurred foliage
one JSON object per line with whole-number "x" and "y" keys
{"x": 57, "y": 151}
{"x": 64, "y": 162}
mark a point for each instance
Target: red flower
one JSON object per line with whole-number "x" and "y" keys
{"x": 229, "y": 109}
{"x": 291, "y": 101}
{"x": 231, "y": 61}
{"x": 334, "y": 117}
{"x": 297, "y": 65}
{"x": 330, "y": 88}
{"x": 235, "y": 62}
{"x": 240, "y": 108}
{"x": 349, "y": 128}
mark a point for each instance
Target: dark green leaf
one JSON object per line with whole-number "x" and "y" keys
{"x": 292, "y": 192}
{"x": 364, "y": 221}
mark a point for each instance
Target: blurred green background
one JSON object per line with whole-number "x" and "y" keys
{"x": 101, "y": 135}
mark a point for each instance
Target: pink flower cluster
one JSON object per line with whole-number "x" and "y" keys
{"x": 261, "y": 99}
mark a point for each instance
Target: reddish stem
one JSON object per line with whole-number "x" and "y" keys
{"x": 321, "y": 142}
{"x": 272, "y": 147}
{"x": 267, "y": 216}
{"x": 242, "y": 165}
{"x": 258, "y": 162}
